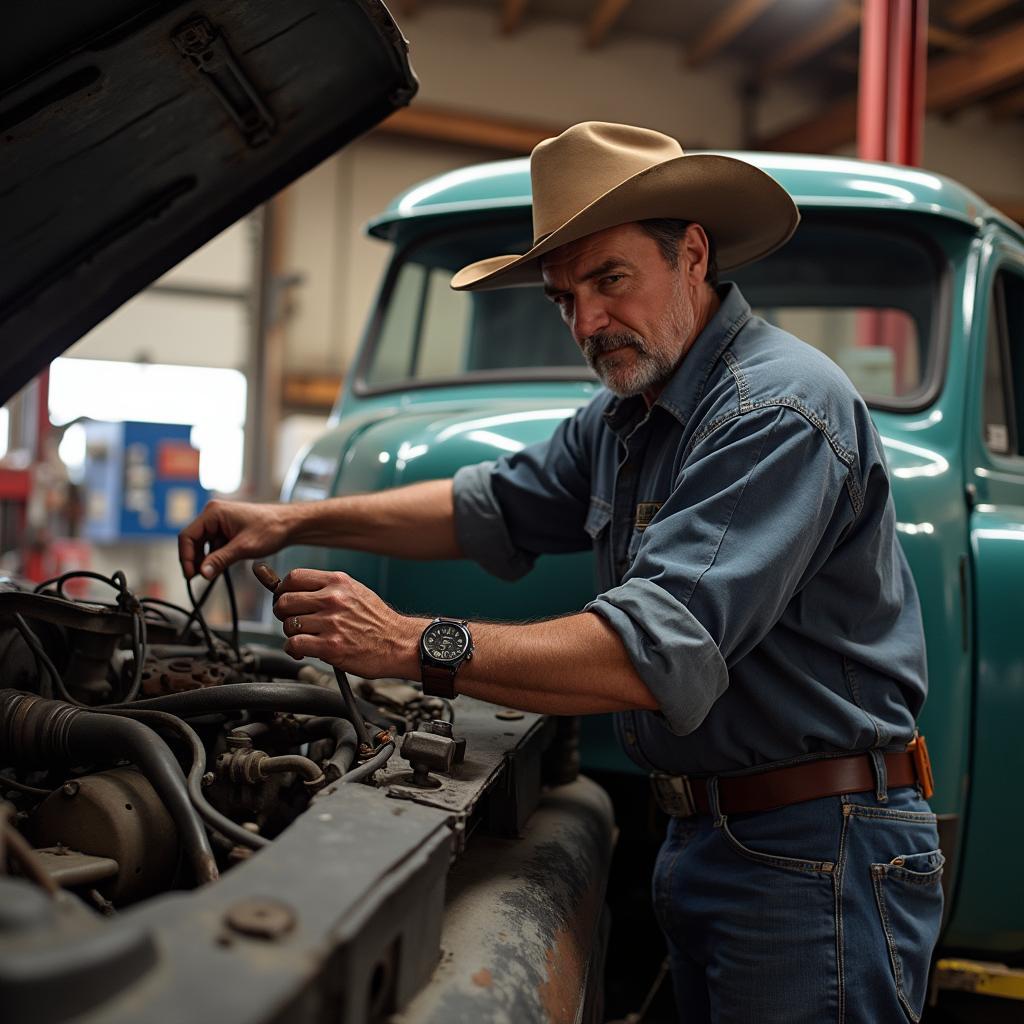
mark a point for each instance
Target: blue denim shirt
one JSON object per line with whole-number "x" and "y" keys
{"x": 746, "y": 551}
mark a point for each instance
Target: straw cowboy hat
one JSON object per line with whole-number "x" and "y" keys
{"x": 596, "y": 175}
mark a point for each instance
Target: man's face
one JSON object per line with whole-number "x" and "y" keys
{"x": 632, "y": 314}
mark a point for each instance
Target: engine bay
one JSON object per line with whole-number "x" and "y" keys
{"x": 146, "y": 757}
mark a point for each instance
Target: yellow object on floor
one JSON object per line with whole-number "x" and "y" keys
{"x": 983, "y": 978}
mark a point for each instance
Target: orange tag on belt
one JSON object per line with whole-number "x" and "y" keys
{"x": 918, "y": 749}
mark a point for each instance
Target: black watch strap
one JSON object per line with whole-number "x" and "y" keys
{"x": 438, "y": 682}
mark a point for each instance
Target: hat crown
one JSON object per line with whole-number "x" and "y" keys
{"x": 572, "y": 170}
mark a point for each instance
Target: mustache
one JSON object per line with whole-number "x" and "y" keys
{"x": 598, "y": 344}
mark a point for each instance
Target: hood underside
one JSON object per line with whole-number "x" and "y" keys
{"x": 133, "y": 133}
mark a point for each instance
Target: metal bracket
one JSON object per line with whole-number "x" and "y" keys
{"x": 205, "y": 46}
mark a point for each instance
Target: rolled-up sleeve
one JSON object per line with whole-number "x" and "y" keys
{"x": 480, "y": 526}
{"x": 755, "y": 510}
{"x": 667, "y": 645}
{"x": 529, "y": 503}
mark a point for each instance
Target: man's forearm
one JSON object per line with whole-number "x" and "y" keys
{"x": 416, "y": 521}
{"x": 575, "y": 665}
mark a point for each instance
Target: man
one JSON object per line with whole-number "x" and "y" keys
{"x": 756, "y": 627}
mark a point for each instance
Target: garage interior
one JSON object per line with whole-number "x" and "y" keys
{"x": 232, "y": 362}
{"x": 259, "y": 326}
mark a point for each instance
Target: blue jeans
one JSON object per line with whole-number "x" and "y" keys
{"x": 824, "y": 911}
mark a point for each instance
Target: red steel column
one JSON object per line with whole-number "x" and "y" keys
{"x": 893, "y": 55}
{"x": 890, "y": 116}
{"x": 873, "y": 84}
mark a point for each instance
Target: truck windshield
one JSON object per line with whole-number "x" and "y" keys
{"x": 866, "y": 295}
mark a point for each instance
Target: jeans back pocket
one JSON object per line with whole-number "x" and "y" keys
{"x": 908, "y": 891}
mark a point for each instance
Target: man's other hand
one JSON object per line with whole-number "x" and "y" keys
{"x": 329, "y": 615}
{"x": 234, "y": 530}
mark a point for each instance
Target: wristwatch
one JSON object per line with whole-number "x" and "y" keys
{"x": 444, "y": 645}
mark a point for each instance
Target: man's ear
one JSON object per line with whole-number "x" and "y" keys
{"x": 694, "y": 249}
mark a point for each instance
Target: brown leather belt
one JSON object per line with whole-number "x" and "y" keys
{"x": 682, "y": 796}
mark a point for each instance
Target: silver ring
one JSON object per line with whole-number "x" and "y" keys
{"x": 296, "y": 624}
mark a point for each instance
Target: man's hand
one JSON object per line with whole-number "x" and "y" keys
{"x": 329, "y": 615}
{"x": 234, "y": 530}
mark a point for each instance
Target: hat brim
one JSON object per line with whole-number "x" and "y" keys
{"x": 746, "y": 211}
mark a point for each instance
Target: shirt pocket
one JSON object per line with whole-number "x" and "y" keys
{"x": 599, "y": 515}
{"x": 634, "y": 544}
{"x": 597, "y": 525}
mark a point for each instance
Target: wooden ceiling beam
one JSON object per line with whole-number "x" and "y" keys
{"x": 436, "y": 124}
{"x": 1010, "y": 105}
{"x": 965, "y": 13}
{"x": 996, "y": 62}
{"x": 834, "y": 127}
{"x": 724, "y": 29}
{"x": 842, "y": 19}
{"x": 603, "y": 19}
{"x": 947, "y": 39}
{"x": 512, "y": 12}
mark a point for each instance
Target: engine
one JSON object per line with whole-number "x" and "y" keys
{"x": 142, "y": 751}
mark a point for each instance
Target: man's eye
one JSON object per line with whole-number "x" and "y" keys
{"x": 612, "y": 278}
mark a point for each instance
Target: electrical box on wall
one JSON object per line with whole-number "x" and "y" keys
{"x": 141, "y": 480}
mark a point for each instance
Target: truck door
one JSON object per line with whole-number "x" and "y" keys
{"x": 990, "y": 904}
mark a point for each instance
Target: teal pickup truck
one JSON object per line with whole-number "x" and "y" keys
{"x": 910, "y": 282}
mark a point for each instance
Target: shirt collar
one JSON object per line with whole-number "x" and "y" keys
{"x": 685, "y": 387}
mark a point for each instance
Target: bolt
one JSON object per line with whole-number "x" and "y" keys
{"x": 208, "y": 780}
{"x": 261, "y": 918}
{"x": 509, "y": 715}
{"x": 70, "y": 789}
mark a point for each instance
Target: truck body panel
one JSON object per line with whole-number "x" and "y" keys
{"x": 968, "y": 562}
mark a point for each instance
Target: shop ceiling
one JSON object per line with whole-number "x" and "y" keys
{"x": 975, "y": 56}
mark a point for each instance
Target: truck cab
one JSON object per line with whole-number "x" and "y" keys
{"x": 907, "y": 280}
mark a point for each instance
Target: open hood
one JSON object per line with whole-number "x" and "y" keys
{"x": 131, "y": 133}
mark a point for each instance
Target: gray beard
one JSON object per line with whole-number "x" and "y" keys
{"x": 649, "y": 369}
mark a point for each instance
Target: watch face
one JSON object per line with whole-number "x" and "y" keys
{"x": 445, "y": 641}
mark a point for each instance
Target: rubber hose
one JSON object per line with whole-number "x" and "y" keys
{"x": 283, "y": 763}
{"x": 354, "y": 714}
{"x": 251, "y": 730}
{"x": 270, "y": 662}
{"x": 367, "y": 768}
{"x": 101, "y": 737}
{"x": 342, "y": 732}
{"x": 220, "y": 822}
{"x": 301, "y": 698}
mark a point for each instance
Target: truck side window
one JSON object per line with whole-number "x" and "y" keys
{"x": 426, "y": 332}
{"x": 1004, "y": 367}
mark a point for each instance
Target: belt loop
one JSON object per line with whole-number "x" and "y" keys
{"x": 881, "y": 776}
{"x": 716, "y": 810}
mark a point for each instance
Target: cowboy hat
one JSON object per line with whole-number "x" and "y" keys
{"x": 597, "y": 175}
